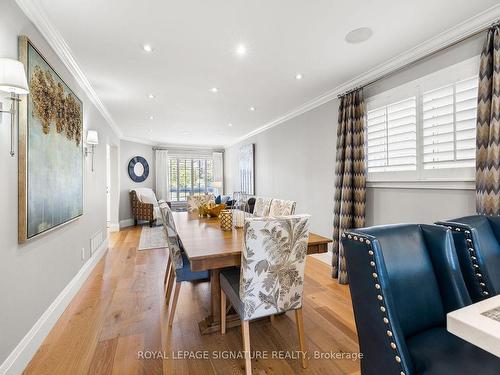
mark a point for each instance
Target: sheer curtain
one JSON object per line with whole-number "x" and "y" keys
{"x": 162, "y": 175}
{"x": 218, "y": 171}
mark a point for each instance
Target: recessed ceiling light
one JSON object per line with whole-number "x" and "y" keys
{"x": 241, "y": 50}
{"x": 298, "y": 76}
{"x": 151, "y": 117}
{"x": 252, "y": 109}
{"x": 186, "y": 133}
{"x": 358, "y": 35}
{"x": 214, "y": 89}
{"x": 151, "y": 96}
{"x": 147, "y": 48}
{"x": 229, "y": 124}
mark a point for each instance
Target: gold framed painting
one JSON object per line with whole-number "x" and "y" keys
{"x": 50, "y": 149}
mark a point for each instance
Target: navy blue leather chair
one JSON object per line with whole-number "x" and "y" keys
{"x": 404, "y": 279}
{"x": 478, "y": 249}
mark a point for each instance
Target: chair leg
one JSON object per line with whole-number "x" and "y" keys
{"x": 135, "y": 222}
{"x": 302, "y": 339}
{"x": 170, "y": 285}
{"x": 245, "y": 330}
{"x": 272, "y": 318}
{"x": 174, "y": 303}
{"x": 222, "y": 312}
{"x": 167, "y": 271}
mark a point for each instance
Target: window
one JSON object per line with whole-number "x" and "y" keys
{"x": 392, "y": 137}
{"x": 190, "y": 176}
{"x": 449, "y": 118}
{"x": 425, "y": 129}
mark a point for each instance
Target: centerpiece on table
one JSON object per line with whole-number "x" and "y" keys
{"x": 210, "y": 209}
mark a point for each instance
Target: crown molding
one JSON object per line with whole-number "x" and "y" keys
{"x": 447, "y": 38}
{"x": 138, "y": 140}
{"x": 170, "y": 145}
{"x": 36, "y": 14}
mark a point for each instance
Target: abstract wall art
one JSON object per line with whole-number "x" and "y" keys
{"x": 50, "y": 148}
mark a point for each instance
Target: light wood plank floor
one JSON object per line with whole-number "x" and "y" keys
{"x": 120, "y": 311}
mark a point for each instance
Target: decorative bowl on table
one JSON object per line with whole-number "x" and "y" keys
{"x": 211, "y": 209}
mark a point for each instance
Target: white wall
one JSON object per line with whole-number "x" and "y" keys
{"x": 32, "y": 275}
{"x": 296, "y": 160}
{"x": 127, "y": 151}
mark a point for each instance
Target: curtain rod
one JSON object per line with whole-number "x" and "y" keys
{"x": 416, "y": 61}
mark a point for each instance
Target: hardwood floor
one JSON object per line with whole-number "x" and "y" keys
{"x": 119, "y": 314}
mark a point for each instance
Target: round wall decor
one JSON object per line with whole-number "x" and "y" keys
{"x": 138, "y": 169}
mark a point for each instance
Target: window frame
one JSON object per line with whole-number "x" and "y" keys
{"x": 431, "y": 178}
{"x": 193, "y": 159}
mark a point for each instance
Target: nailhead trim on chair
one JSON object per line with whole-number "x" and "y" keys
{"x": 473, "y": 259}
{"x": 380, "y": 296}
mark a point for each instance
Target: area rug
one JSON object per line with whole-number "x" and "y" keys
{"x": 152, "y": 238}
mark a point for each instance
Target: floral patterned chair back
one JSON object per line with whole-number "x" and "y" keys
{"x": 174, "y": 246}
{"x": 167, "y": 217}
{"x": 262, "y": 206}
{"x": 272, "y": 265}
{"x": 195, "y": 201}
{"x": 281, "y": 207}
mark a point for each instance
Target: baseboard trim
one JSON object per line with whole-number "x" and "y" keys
{"x": 126, "y": 223}
{"x": 114, "y": 227}
{"x": 22, "y": 354}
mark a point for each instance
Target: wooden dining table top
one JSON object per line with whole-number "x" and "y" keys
{"x": 209, "y": 247}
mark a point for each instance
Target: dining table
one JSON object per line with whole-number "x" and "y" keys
{"x": 209, "y": 248}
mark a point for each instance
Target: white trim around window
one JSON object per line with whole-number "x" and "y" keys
{"x": 397, "y": 119}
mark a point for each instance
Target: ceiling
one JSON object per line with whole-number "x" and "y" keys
{"x": 195, "y": 48}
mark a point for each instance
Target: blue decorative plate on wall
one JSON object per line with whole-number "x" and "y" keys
{"x": 138, "y": 169}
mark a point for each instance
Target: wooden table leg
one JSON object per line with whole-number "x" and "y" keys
{"x": 212, "y": 322}
{"x": 215, "y": 295}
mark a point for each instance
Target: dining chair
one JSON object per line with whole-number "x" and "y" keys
{"x": 180, "y": 271}
{"x": 271, "y": 277}
{"x": 168, "y": 221}
{"x": 477, "y": 240}
{"x": 280, "y": 207}
{"x": 261, "y": 207}
{"x": 404, "y": 279}
{"x": 195, "y": 201}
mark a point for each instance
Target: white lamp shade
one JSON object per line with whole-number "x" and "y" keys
{"x": 13, "y": 77}
{"x": 217, "y": 184}
{"x": 92, "y": 137}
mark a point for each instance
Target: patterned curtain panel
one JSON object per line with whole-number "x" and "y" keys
{"x": 488, "y": 127}
{"x": 350, "y": 176}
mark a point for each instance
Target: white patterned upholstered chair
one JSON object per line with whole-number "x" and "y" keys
{"x": 262, "y": 206}
{"x": 195, "y": 201}
{"x": 179, "y": 268}
{"x": 271, "y": 278}
{"x": 281, "y": 207}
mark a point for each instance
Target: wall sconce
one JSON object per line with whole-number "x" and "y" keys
{"x": 92, "y": 140}
{"x": 13, "y": 80}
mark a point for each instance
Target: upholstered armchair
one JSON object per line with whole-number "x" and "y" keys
{"x": 478, "y": 249}
{"x": 404, "y": 279}
{"x": 141, "y": 210}
{"x": 271, "y": 278}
